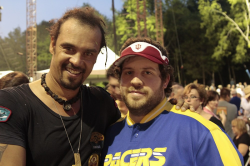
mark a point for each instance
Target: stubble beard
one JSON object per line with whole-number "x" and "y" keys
{"x": 144, "y": 106}
{"x": 71, "y": 83}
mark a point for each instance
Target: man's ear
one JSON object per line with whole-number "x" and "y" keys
{"x": 52, "y": 46}
{"x": 165, "y": 84}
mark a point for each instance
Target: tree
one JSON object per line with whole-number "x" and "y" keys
{"x": 190, "y": 52}
{"x": 43, "y": 42}
{"x": 126, "y": 21}
{"x": 228, "y": 27}
{"x": 14, "y": 49}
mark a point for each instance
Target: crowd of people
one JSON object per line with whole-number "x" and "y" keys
{"x": 227, "y": 107}
{"x": 58, "y": 121}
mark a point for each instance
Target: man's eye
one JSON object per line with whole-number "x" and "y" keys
{"x": 128, "y": 72}
{"x": 68, "y": 50}
{"x": 88, "y": 53}
{"x": 147, "y": 72}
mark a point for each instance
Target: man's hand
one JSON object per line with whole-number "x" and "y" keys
{"x": 180, "y": 104}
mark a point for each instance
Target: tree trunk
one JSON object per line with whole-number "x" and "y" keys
{"x": 232, "y": 68}
{"x": 203, "y": 75}
{"x": 114, "y": 28}
{"x": 229, "y": 72}
{"x": 177, "y": 68}
{"x": 221, "y": 81}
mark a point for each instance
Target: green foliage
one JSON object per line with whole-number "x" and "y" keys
{"x": 43, "y": 42}
{"x": 100, "y": 84}
{"x": 126, "y": 20}
{"x": 228, "y": 29}
{"x": 14, "y": 51}
{"x": 186, "y": 42}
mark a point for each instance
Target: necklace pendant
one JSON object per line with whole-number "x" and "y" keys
{"x": 67, "y": 106}
{"x": 77, "y": 159}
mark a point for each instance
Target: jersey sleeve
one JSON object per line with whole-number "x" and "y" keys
{"x": 217, "y": 149}
{"x": 13, "y": 130}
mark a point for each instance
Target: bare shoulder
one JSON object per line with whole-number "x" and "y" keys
{"x": 12, "y": 155}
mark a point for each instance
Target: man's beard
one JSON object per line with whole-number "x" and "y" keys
{"x": 71, "y": 83}
{"x": 142, "y": 108}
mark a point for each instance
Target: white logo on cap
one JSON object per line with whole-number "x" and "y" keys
{"x": 139, "y": 46}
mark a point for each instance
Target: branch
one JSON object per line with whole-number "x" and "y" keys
{"x": 236, "y": 25}
{"x": 247, "y": 33}
{"x": 248, "y": 9}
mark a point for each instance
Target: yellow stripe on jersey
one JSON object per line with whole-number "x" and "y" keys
{"x": 220, "y": 139}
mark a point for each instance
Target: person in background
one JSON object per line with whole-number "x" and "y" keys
{"x": 114, "y": 90}
{"x": 236, "y": 101}
{"x": 231, "y": 110}
{"x": 177, "y": 92}
{"x": 232, "y": 86}
{"x": 13, "y": 79}
{"x": 241, "y": 138}
{"x": 195, "y": 95}
{"x": 245, "y": 84}
{"x": 219, "y": 89}
{"x": 245, "y": 101}
{"x": 212, "y": 87}
{"x": 210, "y": 105}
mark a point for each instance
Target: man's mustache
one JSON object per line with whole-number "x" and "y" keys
{"x": 75, "y": 68}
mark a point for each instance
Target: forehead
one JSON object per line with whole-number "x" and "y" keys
{"x": 193, "y": 91}
{"x": 138, "y": 62}
{"x": 73, "y": 29}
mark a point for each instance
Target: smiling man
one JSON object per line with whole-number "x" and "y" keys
{"x": 154, "y": 132}
{"x": 56, "y": 120}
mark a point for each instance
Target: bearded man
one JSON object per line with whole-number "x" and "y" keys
{"x": 154, "y": 132}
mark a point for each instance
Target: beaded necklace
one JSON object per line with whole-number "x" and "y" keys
{"x": 67, "y": 105}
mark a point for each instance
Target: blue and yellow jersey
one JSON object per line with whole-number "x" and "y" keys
{"x": 167, "y": 138}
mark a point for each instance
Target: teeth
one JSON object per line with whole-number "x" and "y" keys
{"x": 73, "y": 71}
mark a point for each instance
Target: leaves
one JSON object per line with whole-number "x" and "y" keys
{"x": 232, "y": 29}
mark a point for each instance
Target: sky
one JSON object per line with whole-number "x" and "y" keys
{"x": 14, "y": 11}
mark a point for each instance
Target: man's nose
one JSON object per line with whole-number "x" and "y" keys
{"x": 137, "y": 82}
{"x": 76, "y": 60}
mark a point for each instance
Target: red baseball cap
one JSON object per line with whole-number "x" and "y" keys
{"x": 145, "y": 50}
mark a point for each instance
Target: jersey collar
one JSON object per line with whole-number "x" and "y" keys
{"x": 164, "y": 105}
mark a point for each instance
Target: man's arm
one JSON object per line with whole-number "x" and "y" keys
{"x": 12, "y": 155}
